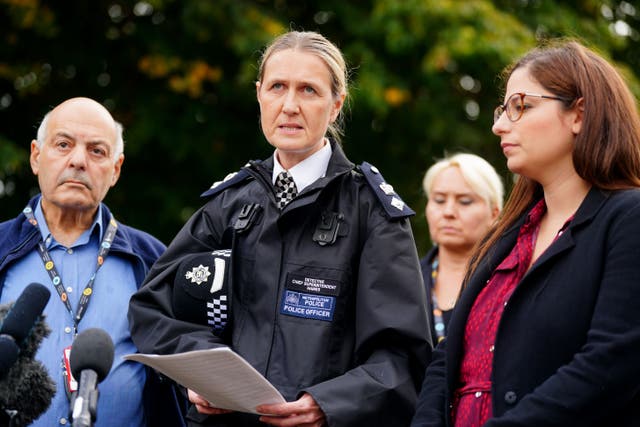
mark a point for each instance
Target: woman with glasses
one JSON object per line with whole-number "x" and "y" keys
{"x": 547, "y": 329}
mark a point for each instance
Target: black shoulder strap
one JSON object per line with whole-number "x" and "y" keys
{"x": 228, "y": 181}
{"x": 390, "y": 200}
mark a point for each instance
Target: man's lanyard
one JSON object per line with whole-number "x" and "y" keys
{"x": 105, "y": 246}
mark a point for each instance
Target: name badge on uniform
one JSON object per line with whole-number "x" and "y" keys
{"x": 312, "y": 285}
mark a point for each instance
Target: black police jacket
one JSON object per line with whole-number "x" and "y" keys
{"x": 326, "y": 295}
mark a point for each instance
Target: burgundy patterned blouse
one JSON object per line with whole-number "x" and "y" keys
{"x": 472, "y": 398}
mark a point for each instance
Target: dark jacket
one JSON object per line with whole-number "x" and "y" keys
{"x": 568, "y": 342}
{"x": 18, "y": 238}
{"x": 363, "y": 366}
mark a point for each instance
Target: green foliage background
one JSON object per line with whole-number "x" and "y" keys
{"x": 179, "y": 74}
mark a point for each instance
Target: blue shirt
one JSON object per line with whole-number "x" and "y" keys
{"x": 120, "y": 398}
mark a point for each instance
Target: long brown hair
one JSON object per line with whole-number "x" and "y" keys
{"x": 606, "y": 151}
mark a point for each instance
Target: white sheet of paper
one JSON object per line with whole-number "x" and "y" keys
{"x": 219, "y": 375}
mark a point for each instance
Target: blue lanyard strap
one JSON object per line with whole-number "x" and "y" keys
{"x": 49, "y": 266}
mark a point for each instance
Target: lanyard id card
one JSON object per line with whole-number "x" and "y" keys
{"x": 70, "y": 383}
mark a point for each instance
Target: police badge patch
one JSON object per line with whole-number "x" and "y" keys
{"x": 198, "y": 275}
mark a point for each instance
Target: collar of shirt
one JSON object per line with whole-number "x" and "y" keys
{"x": 50, "y": 241}
{"x": 307, "y": 171}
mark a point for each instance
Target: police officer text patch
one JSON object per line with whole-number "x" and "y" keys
{"x": 308, "y": 306}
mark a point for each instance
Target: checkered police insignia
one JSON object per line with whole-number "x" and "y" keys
{"x": 198, "y": 275}
{"x": 217, "y": 314}
{"x": 286, "y": 189}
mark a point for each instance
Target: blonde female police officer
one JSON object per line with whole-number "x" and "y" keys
{"x": 326, "y": 294}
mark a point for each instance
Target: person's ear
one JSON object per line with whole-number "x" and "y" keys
{"x": 495, "y": 212}
{"x": 117, "y": 168}
{"x": 576, "y": 126}
{"x": 34, "y": 157}
{"x": 337, "y": 106}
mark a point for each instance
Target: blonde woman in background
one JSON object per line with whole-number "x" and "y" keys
{"x": 464, "y": 199}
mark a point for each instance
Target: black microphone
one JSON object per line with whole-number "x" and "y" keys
{"x": 19, "y": 321}
{"x": 9, "y": 351}
{"x": 90, "y": 361}
{"x": 26, "y": 389}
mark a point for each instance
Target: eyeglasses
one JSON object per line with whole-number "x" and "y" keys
{"x": 515, "y": 106}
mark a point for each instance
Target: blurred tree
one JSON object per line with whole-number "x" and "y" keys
{"x": 179, "y": 74}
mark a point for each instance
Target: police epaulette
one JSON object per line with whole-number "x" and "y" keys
{"x": 228, "y": 181}
{"x": 390, "y": 200}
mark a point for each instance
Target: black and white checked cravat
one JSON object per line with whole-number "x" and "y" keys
{"x": 286, "y": 189}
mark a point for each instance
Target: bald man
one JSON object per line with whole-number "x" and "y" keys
{"x": 77, "y": 157}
